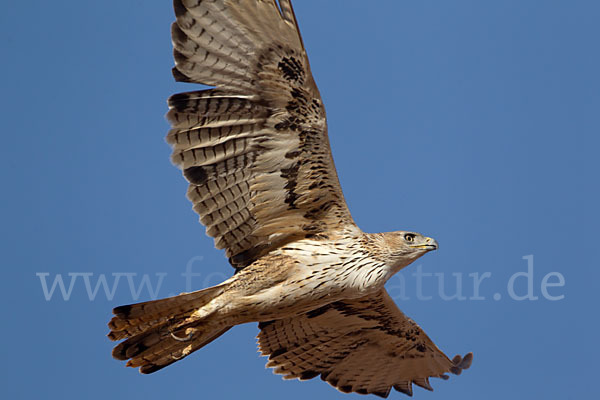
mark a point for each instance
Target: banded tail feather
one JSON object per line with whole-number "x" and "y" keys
{"x": 160, "y": 332}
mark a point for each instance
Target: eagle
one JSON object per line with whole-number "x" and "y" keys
{"x": 255, "y": 152}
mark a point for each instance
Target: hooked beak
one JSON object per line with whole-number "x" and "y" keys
{"x": 430, "y": 244}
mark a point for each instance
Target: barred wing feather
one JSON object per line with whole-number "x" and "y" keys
{"x": 254, "y": 148}
{"x": 364, "y": 345}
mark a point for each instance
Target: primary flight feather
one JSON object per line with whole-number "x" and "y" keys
{"x": 261, "y": 176}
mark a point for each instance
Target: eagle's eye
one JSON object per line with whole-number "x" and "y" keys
{"x": 409, "y": 237}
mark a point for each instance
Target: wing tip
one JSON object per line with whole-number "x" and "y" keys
{"x": 461, "y": 363}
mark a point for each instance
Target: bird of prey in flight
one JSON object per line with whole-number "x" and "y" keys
{"x": 255, "y": 152}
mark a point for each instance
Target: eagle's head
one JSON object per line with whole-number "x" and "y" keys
{"x": 402, "y": 247}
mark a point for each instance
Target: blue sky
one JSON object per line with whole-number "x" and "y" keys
{"x": 475, "y": 122}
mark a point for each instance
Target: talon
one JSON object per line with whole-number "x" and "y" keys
{"x": 182, "y": 339}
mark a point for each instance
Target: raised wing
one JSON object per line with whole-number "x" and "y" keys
{"x": 254, "y": 149}
{"x": 365, "y": 346}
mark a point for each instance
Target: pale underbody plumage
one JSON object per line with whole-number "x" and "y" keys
{"x": 256, "y": 154}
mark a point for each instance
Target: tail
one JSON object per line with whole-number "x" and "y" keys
{"x": 161, "y": 332}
